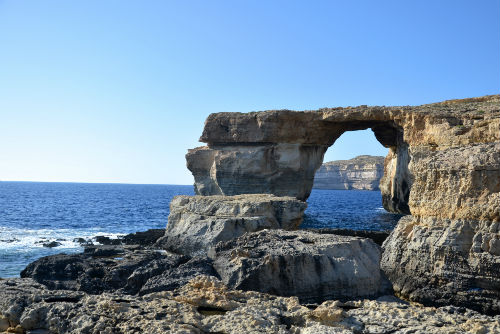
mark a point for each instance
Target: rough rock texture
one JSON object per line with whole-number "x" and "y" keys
{"x": 197, "y": 223}
{"x": 102, "y": 269}
{"x": 312, "y": 266}
{"x": 451, "y": 261}
{"x": 378, "y": 237}
{"x": 134, "y": 267}
{"x": 362, "y": 172}
{"x": 279, "y": 151}
{"x": 205, "y": 305}
{"x": 443, "y": 167}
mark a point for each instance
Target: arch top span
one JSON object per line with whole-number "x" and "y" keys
{"x": 299, "y": 127}
{"x": 443, "y": 167}
{"x": 279, "y": 151}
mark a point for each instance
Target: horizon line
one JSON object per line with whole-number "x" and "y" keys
{"x": 131, "y": 183}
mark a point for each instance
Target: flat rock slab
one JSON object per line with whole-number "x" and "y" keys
{"x": 197, "y": 223}
{"x": 311, "y": 266}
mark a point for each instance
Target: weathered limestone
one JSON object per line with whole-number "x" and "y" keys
{"x": 281, "y": 169}
{"x": 197, "y": 223}
{"x": 362, "y": 173}
{"x": 312, "y": 266}
{"x": 445, "y": 262}
{"x": 443, "y": 167}
{"x": 279, "y": 151}
{"x": 205, "y": 305}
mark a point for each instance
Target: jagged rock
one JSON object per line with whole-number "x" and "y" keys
{"x": 52, "y": 244}
{"x": 443, "y": 167}
{"x": 95, "y": 272}
{"x": 279, "y": 151}
{"x": 362, "y": 172}
{"x": 125, "y": 264}
{"x": 205, "y": 305}
{"x": 312, "y": 266}
{"x": 445, "y": 262}
{"x": 196, "y": 223}
{"x": 140, "y": 277}
{"x": 178, "y": 276}
{"x": 145, "y": 239}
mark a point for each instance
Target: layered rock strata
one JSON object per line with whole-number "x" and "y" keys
{"x": 312, "y": 266}
{"x": 279, "y": 151}
{"x": 361, "y": 173}
{"x": 206, "y": 305}
{"x": 197, "y": 223}
{"x": 445, "y": 262}
{"x": 443, "y": 167}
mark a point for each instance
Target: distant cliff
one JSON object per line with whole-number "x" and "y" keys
{"x": 363, "y": 172}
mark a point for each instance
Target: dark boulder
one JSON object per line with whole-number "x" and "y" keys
{"x": 312, "y": 266}
{"x": 93, "y": 271}
{"x": 180, "y": 275}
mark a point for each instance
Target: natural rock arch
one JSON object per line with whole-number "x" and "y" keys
{"x": 448, "y": 153}
{"x": 277, "y": 152}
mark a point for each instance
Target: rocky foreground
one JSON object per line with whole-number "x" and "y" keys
{"x": 442, "y": 170}
{"x": 132, "y": 287}
{"x": 205, "y": 305}
{"x": 361, "y": 173}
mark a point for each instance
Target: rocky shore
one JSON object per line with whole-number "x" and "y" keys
{"x": 363, "y": 172}
{"x": 133, "y": 287}
{"x": 232, "y": 259}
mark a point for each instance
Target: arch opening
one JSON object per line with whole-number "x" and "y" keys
{"x": 368, "y": 183}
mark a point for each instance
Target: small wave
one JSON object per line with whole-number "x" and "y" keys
{"x": 19, "y": 239}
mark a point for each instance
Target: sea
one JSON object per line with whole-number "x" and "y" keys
{"x": 34, "y": 214}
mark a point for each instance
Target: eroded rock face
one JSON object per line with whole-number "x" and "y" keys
{"x": 205, "y": 305}
{"x": 282, "y": 169}
{"x": 279, "y": 151}
{"x": 445, "y": 262}
{"x": 197, "y": 223}
{"x": 132, "y": 264}
{"x": 312, "y": 266}
{"x": 125, "y": 269}
{"x": 443, "y": 167}
{"x": 362, "y": 173}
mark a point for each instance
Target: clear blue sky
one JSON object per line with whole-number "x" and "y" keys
{"x": 117, "y": 91}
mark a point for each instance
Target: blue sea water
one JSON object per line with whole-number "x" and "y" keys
{"x": 33, "y": 213}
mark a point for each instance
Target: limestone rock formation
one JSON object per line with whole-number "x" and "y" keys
{"x": 205, "y": 305}
{"x": 362, "y": 172}
{"x": 446, "y": 262}
{"x": 279, "y": 151}
{"x": 443, "y": 168}
{"x": 312, "y": 266}
{"x": 197, "y": 223}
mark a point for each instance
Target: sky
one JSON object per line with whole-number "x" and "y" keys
{"x": 118, "y": 91}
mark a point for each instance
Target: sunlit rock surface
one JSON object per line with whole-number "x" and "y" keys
{"x": 197, "y": 223}
{"x": 443, "y": 168}
{"x": 362, "y": 173}
{"x": 312, "y": 266}
{"x": 206, "y": 305}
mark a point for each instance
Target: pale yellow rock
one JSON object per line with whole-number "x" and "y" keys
{"x": 328, "y": 313}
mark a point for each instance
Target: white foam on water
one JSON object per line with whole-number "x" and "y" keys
{"x": 24, "y": 239}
